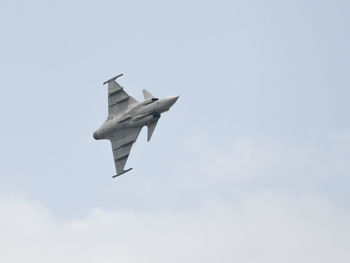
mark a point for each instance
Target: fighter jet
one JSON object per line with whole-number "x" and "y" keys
{"x": 126, "y": 118}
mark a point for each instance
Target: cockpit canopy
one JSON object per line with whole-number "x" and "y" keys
{"x": 149, "y": 101}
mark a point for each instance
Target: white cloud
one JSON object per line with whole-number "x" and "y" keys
{"x": 262, "y": 228}
{"x": 259, "y": 227}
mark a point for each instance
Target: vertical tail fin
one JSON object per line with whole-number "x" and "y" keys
{"x": 147, "y": 95}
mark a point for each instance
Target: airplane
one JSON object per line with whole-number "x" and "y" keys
{"x": 126, "y": 118}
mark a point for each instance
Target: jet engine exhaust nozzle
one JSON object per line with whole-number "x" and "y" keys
{"x": 95, "y": 135}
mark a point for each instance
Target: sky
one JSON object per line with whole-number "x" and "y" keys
{"x": 250, "y": 165}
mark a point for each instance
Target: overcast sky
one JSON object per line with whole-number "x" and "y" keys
{"x": 250, "y": 165}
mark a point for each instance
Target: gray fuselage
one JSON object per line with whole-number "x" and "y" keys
{"x": 136, "y": 115}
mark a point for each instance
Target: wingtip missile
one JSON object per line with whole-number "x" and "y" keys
{"x": 114, "y": 78}
{"x": 123, "y": 172}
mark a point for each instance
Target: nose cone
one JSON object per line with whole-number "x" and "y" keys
{"x": 172, "y": 100}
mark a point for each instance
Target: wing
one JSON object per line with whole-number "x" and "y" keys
{"x": 118, "y": 99}
{"x": 121, "y": 146}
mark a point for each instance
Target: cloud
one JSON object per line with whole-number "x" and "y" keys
{"x": 263, "y": 224}
{"x": 261, "y": 228}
